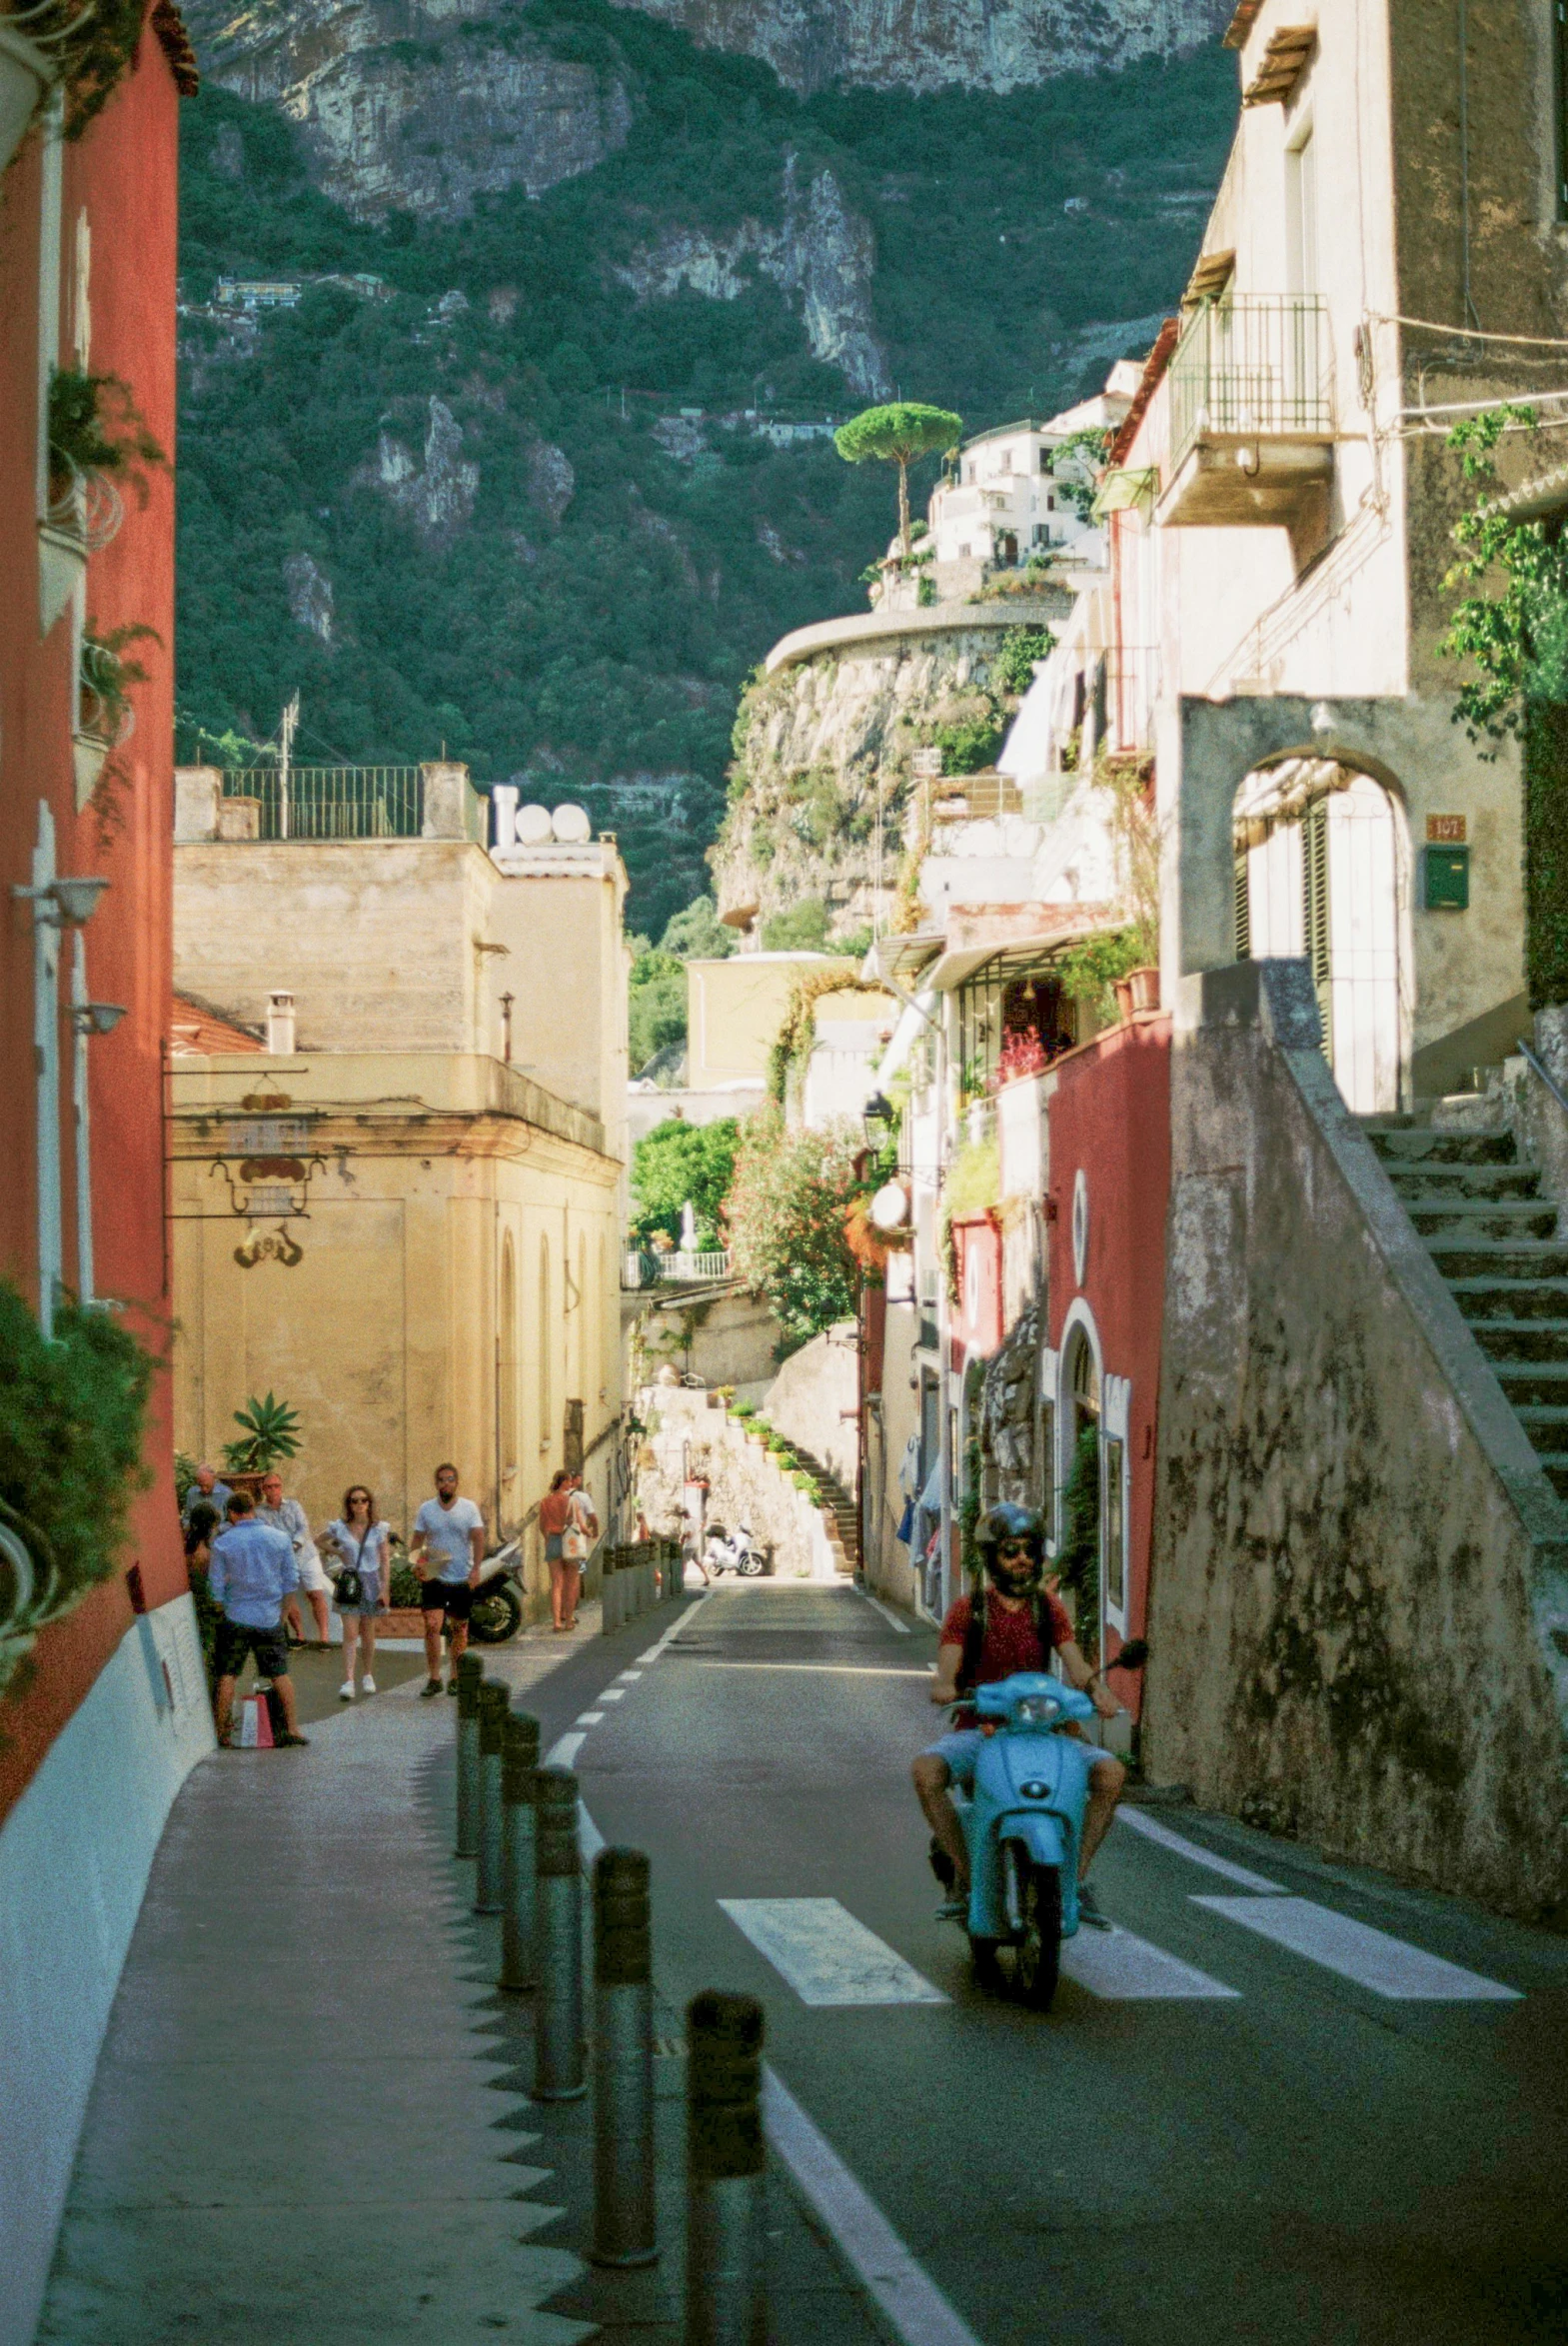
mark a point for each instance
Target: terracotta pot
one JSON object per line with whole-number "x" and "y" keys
{"x": 1124, "y": 992}
{"x": 1146, "y": 988}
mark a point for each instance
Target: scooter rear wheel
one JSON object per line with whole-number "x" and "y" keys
{"x": 497, "y": 1614}
{"x": 1037, "y": 1962}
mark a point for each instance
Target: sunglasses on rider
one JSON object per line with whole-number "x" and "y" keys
{"x": 1013, "y": 1547}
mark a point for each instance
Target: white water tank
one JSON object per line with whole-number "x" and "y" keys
{"x": 532, "y": 827}
{"x": 572, "y": 826}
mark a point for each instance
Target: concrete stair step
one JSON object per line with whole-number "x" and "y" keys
{"x": 1547, "y": 1426}
{"x": 1444, "y": 1183}
{"x": 1522, "y": 1342}
{"x": 1488, "y": 1296}
{"x": 1410, "y": 1143}
{"x": 1527, "y": 1381}
{"x": 1556, "y": 1465}
{"x": 1484, "y": 1217}
{"x": 1459, "y": 1257}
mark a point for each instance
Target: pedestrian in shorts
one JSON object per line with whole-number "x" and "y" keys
{"x": 447, "y": 1549}
{"x": 289, "y": 1517}
{"x": 250, "y": 1573}
{"x": 362, "y": 1544}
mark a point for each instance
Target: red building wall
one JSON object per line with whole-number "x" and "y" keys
{"x": 121, "y": 178}
{"x": 1110, "y": 1117}
{"x": 977, "y": 1315}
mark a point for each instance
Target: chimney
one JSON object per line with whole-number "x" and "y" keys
{"x": 280, "y": 1024}
{"x": 504, "y": 804}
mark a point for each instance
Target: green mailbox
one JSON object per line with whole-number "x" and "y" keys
{"x": 1447, "y": 880}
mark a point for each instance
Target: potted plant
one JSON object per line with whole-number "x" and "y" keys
{"x": 104, "y": 715}
{"x": 269, "y": 1432}
{"x": 1144, "y": 984}
{"x": 97, "y": 441}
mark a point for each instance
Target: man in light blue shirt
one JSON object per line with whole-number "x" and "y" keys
{"x": 250, "y": 1573}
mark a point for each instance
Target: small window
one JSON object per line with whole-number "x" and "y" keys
{"x": 1114, "y": 1527}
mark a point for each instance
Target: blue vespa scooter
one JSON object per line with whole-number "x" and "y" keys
{"x": 1023, "y": 1823}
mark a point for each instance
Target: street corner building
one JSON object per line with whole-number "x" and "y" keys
{"x": 397, "y": 1132}
{"x": 1234, "y": 1055}
{"x": 103, "y": 1701}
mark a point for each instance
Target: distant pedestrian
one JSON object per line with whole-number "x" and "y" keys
{"x": 363, "y": 1546}
{"x": 447, "y": 1549}
{"x": 553, "y": 1508}
{"x": 205, "y": 1491}
{"x": 576, "y": 1546}
{"x": 250, "y": 1573}
{"x": 288, "y": 1517}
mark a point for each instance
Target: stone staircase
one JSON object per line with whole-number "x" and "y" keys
{"x": 1493, "y": 1237}
{"x": 840, "y": 1503}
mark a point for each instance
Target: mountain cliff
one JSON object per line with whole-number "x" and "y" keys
{"x": 528, "y": 469}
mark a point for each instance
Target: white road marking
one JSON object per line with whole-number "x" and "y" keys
{"x": 674, "y": 1630}
{"x": 916, "y": 2309}
{"x": 1125, "y": 1969}
{"x": 564, "y": 1750}
{"x": 614, "y": 1694}
{"x": 834, "y": 1670}
{"x": 628, "y": 1677}
{"x": 588, "y": 1718}
{"x": 886, "y": 1611}
{"x": 589, "y": 1839}
{"x": 1373, "y": 1959}
{"x": 827, "y": 1956}
{"x": 1153, "y": 1830}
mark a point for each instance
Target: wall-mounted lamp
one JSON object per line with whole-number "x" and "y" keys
{"x": 65, "y": 904}
{"x": 97, "y": 1018}
{"x": 879, "y": 1118}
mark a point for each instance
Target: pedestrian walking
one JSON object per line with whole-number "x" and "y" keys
{"x": 447, "y": 1549}
{"x": 288, "y": 1517}
{"x": 576, "y": 1546}
{"x": 362, "y": 1544}
{"x": 250, "y": 1573}
{"x": 205, "y": 1491}
{"x": 553, "y": 1508}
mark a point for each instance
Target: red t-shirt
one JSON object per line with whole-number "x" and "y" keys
{"x": 1012, "y": 1640}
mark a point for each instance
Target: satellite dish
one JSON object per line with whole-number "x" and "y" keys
{"x": 572, "y": 826}
{"x": 532, "y": 827}
{"x": 890, "y": 1206}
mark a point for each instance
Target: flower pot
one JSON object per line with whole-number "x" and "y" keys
{"x": 1146, "y": 988}
{"x": 89, "y": 751}
{"x": 1123, "y": 991}
{"x": 26, "y": 76}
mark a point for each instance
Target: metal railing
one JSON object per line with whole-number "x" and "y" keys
{"x": 343, "y": 801}
{"x": 641, "y": 1266}
{"x": 968, "y": 798}
{"x": 1256, "y": 365}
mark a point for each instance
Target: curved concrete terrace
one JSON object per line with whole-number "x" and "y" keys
{"x": 870, "y": 626}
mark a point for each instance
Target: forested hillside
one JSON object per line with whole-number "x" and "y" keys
{"x": 462, "y": 506}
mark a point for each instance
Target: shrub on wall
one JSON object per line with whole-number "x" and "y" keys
{"x": 1546, "y": 852}
{"x": 72, "y": 1415}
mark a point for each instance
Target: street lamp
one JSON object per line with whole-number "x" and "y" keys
{"x": 878, "y": 1116}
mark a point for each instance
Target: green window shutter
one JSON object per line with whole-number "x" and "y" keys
{"x": 1314, "y": 888}
{"x": 1243, "y": 913}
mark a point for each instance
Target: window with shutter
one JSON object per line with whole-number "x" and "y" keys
{"x": 1243, "y": 905}
{"x": 1314, "y": 914}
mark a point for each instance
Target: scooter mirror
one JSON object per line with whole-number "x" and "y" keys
{"x": 1132, "y": 1657}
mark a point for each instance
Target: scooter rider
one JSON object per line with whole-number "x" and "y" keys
{"x": 1015, "y": 1624}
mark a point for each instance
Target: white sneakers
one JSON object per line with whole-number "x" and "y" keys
{"x": 368, "y": 1683}
{"x": 346, "y": 1690}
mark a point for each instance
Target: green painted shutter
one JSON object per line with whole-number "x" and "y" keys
{"x": 1243, "y": 911}
{"x": 1314, "y": 923}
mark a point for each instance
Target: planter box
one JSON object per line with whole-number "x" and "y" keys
{"x": 402, "y": 1621}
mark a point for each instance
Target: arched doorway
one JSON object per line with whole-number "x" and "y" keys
{"x": 1321, "y": 861}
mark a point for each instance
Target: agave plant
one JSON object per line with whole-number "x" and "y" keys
{"x": 271, "y": 1431}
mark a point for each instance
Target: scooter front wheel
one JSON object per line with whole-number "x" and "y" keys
{"x": 1038, "y": 1960}
{"x": 985, "y": 1964}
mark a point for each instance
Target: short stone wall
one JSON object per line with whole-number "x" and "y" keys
{"x": 692, "y": 1434}
{"x": 815, "y": 1397}
{"x": 1359, "y": 1603}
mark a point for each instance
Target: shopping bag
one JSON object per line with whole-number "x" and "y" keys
{"x": 254, "y": 1723}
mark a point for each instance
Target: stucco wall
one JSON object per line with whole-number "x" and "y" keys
{"x": 688, "y": 1436}
{"x": 1359, "y": 1599}
{"x": 812, "y": 1400}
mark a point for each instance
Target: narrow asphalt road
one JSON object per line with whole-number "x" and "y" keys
{"x": 1285, "y": 2100}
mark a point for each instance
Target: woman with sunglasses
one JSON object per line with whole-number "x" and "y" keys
{"x": 362, "y": 1546}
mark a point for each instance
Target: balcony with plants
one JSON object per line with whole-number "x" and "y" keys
{"x": 99, "y": 446}
{"x": 1250, "y": 391}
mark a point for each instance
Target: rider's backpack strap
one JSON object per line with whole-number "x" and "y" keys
{"x": 973, "y": 1640}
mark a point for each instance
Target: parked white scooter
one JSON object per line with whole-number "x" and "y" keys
{"x": 737, "y": 1552}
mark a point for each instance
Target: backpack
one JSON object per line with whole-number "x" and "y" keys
{"x": 974, "y": 1634}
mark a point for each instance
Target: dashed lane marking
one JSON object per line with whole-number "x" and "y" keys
{"x": 827, "y": 1956}
{"x": 614, "y": 1694}
{"x": 886, "y": 1612}
{"x": 1121, "y": 1968}
{"x": 1372, "y": 1958}
{"x": 674, "y": 1630}
{"x": 562, "y": 1753}
{"x": 588, "y": 1718}
{"x": 1138, "y": 1820}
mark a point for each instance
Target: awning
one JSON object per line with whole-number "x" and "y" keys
{"x": 1124, "y": 491}
{"x": 902, "y": 957}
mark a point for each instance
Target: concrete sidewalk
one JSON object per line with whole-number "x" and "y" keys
{"x": 309, "y": 2125}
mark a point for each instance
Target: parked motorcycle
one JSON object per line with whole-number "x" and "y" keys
{"x": 1023, "y": 1823}
{"x": 497, "y": 1606}
{"x": 737, "y": 1552}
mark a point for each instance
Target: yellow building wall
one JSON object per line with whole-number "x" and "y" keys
{"x": 736, "y": 1008}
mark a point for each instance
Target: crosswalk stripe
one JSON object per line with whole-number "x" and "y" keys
{"x": 1122, "y": 1968}
{"x": 827, "y": 1956}
{"x": 1153, "y": 1830}
{"x": 1372, "y": 1958}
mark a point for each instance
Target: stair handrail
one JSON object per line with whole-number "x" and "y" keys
{"x": 1547, "y": 1078}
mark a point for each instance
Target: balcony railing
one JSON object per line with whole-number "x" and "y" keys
{"x": 1253, "y": 367}
{"x": 968, "y": 798}
{"x": 643, "y": 1267}
{"x": 343, "y": 801}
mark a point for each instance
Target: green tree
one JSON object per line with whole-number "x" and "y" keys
{"x": 899, "y": 434}
{"x": 698, "y": 934}
{"x": 656, "y": 1006}
{"x": 677, "y": 1164}
{"x": 800, "y": 928}
{"x": 791, "y": 1191}
{"x": 1012, "y": 668}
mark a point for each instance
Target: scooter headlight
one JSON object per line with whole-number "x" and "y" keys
{"x": 1036, "y": 1710}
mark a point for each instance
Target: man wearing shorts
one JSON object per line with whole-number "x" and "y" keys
{"x": 447, "y": 1550}
{"x": 288, "y": 1517}
{"x": 250, "y": 1573}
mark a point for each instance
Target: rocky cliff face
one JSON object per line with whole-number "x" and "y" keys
{"x": 939, "y": 44}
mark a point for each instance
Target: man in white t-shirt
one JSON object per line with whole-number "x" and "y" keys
{"x": 447, "y": 1549}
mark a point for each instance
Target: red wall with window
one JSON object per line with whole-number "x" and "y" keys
{"x": 1110, "y": 1118}
{"x": 978, "y": 1316}
{"x": 116, "y": 281}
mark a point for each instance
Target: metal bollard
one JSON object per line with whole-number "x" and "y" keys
{"x": 519, "y": 1766}
{"x": 471, "y": 1671}
{"x": 558, "y": 1940}
{"x": 624, "y": 2226}
{"x": 494, "y": 1699}
{"x": 725, "y": 2296}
